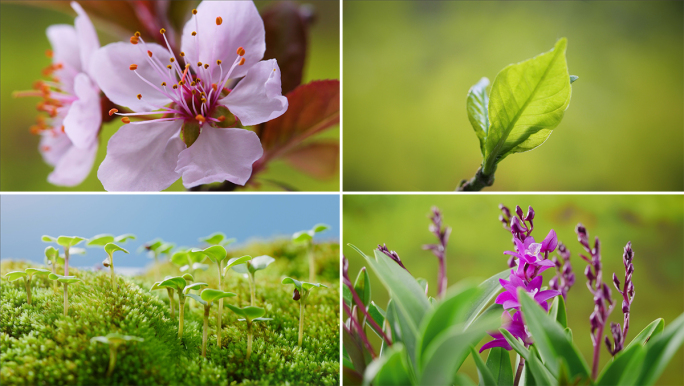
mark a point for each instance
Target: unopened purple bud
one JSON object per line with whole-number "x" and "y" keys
{"x": 519, "y": 211}
{"x": 581, "y": 234}
{"x": 630, "y": 291}
{"x": 345, "y": 266}
{"x": 296, "y": 295}
{"x": 553, "y": 283}
{"x": 616, "y": 282}
{"x": 516, "y": 227}
{"x": 628, "y": 255}
{"x": 567, "y": 268}
{"x": 594, "y": 320}
{"x": 597, "y": 246}
{"x": 570, "y": 280}
{"x": 630, "y": 269}
{"x": 550, "y": 242}
{"x": 606, "y": 293}
{"x": 511, "y": 262}
{"x": 589, "y": 274}
{"x": 625, "y": 307}
{"x": 555, "y": 261}
{"x": 530, "y": 214}
{"x": 505, "y": 210}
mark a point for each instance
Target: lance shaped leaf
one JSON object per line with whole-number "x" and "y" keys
{"x": 476, "y": 103}
{"x": 526, "y": 103}
{"x": 213, "y": 239}
{"x": 392, "y": 368}
{"x": 15, "y": 275}
{"x": 110, "y": 248}
{"x": 655, "y": 327}
{"x": 100, "y": 240}
{"x": 211, "y": 295}
{"x": 362, "y": 287}
{"x": 659, "y": 351}
{"x": 256, "y": 264}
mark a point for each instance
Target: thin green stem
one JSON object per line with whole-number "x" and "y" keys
{"x": 169, "y": 291}
{"x": 111, "y": 269}
{"x": 205, "y": 330}
{"x": 301, "y": 321}
{"x": 66, "y": 273}
{"x": 312, "y": 268}
{"x": 181, "y": 314}
{"x": 27, "y": 282}
{"x": 219, "y": 315}
{"x": 252, "y": 285}
{"x": 249, "y": 339}
{"x": 477, "y": 183}
{"x": 112, "y": 359}
{"x": 66, "y": 299}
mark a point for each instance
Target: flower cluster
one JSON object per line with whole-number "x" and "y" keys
{"x": 529, "y": 259}
{"x": 564, "y": 278}
{"x": 439, "y": 250}
{"x": 204, "y": 98}
{"x": 627, "y": 293}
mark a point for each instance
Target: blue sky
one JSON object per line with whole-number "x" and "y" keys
{"x": 179, "y": 218}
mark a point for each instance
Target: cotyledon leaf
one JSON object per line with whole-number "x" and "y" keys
{"x": 527, "y": 101}
{"x": 476, "y": 104}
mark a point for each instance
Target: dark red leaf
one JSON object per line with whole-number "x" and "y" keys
{"x": 319, "y": 159}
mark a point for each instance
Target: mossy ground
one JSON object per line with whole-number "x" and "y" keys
{"x": 39, "y": 345}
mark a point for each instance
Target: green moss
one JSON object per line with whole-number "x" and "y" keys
{"x": 38, "y": 345}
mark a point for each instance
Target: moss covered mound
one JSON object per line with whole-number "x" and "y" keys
{"x": 39, "y": 345}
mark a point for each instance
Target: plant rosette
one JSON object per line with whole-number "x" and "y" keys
{"x": 306, "y": 237}
{"x": 207, "y": 298}
{"x": 27, "y": 274}
{"x": 301, "y": 293}
{"x": 114, "y": 340}
{"x": 180, "y": 285}
{"x": 249, "y": 267}
{"x": 249, "y": 314}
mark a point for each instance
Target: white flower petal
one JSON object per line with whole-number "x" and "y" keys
{"x": 82, "y": 123}
{"x": 53, "y": 145}
{"x": 258, "y": 96}
{"x": 87, "y": 37}
{"x": 74, "y": 166}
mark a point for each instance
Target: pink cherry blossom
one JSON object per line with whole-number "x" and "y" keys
{"x": 223, "y": 41}
{"x": 69, "y": 140}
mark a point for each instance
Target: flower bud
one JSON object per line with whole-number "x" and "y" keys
{"x": 296, "y": 295}
{"x": 594, "y": 320}
{"x": 505, "y": 210}
{"x": 516, "y": 226}
{"x": 628, "y": 255}
{"x": 606, "y": 293}
{"x": 511, "y": 262}
{"x": 616, "y": 282}
{"x": 630, "y": 269}
{"x": 625, "y": 307}
{"x": 567, "y": 268}
{"x": 570, "y": 280}
{"x": 609, "y": 346}
{"x": 555, "y": 261}
{"x": 589, "y": 274}
{"x": 519, "y": 211}
{"x": 530, "y": 214}
{"x": 553, "y": 283}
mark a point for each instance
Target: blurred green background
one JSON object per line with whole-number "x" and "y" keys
{"x": 22, "y": 50}
{"x": 408, "y": 67}
{"x": 654, "y": 224}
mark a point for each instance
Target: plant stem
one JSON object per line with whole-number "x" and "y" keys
{"x": 475, "y": 184}
{"x": 312, "y": 269}
{"x": 219, "y": 315}
{"x": 252, "y": 284}
{"x": 597, "y": 351}
{"x": 301, "y": 321}
{"x": 111, "y": 269}
{"x": 66, "y": 300}
{"x": 66, "y": 273}
{"x": 27, "y": 282}
{"x": 171, "y": 301}
{"x": 518, "y": 373}
{"x": 181, "y": 314}
{"x": 156, "y": 266}
{"x": 112, "y": 359}
{"x": 249, "y": 339}
{"x": 205, "y": 330}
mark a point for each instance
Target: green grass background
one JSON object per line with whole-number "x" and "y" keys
{"x": 654, "y": 224}
{"x": 22, "y": 51}
{"x": 41, "y": 346}
{"x": 408, "y": 66}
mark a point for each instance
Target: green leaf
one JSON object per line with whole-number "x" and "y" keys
{"x": 69, "y": 241}
{"x": 408, "y": 295}
{"x": 188, "y": 277}
{"x": 302, "y": 237}
{"x": 353, "y": 348}
{"x": 198, "y": 299}
{"x": 125, "y": 237}
{"x": 194, "y": 286}
{"x": 36, "y": 271}
{"x": 486, "y": 376}
{"x": 181, "y": 257}
{"x": 499, "y": 363}
{"x": 527, "y": 101}
{"x": 558, "y": 311}
{"x": 660, "y": 350}
{"x": 51, "y": 253}
{"x": 540, "y": 373}
{"x": 64, "y": 279}
{"x": 614, "y": 371}
{"x": 216, "y": 253}
{"x": 15, "y": 275}
{"x": 165, "y": 248}
{"x": 423, "y": 284}
{"x": 236, "y": 261}
{"x": 654, "y": 328}
{"x": 362, "y": 287}
{"x": 211, "y": 295}
{"x": 307, "y": 286}
{"x": 228, "y": 119}
{"x": 378, "y": 315}
{"x": 550, "y": 338}
{"x": 516, "y": 343}
{"x": 464, "y": 380}
{"x": 249, "y": 313}
{"x": 213, "y": 239}
{"x": 100, "y": 240}
{"x": 490, "y": 288}
{"x": 446, "y": 313}
{"x": 177, "y": 283}
{"x": 110, "y": 248}
{"x": 347, "y": 295}
{"x": 295, "y": 282}
{"x": 476, "y": 103}
{"x": 261, "y": 262}
{"x": 318, "y": 228}
{"x": 404, "y": 328}
{"x": 48, "y": 239}
{"x": 390, "y": 369}
{"x": 446, "y": 354}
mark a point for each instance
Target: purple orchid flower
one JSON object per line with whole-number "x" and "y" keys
{"x": 529, "y": 255}
{"x": 515, "y": 325}
{"x": 196, "y": 138}
{"x": 69, "y": 140}
{"x": 509, "y": 298}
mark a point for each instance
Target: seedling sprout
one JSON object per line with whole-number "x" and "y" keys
{"x": 249, "y": 268}
{"x": 156, "y": 248}
{"x": 66, "y": 280}
{"x": 27, "y": 274}
{"x": 110, "y": 248}
{"x": 66, "y": 242}
{"x": 114, "y": 340}
{"x": 249, "y": 314}
{"x": 207, "y": 298}
{"x": 104, "y": 239}
{"x": 180, "y": 285}
{"x": 301, "y": 293}
{"x": 306, "y": 237}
